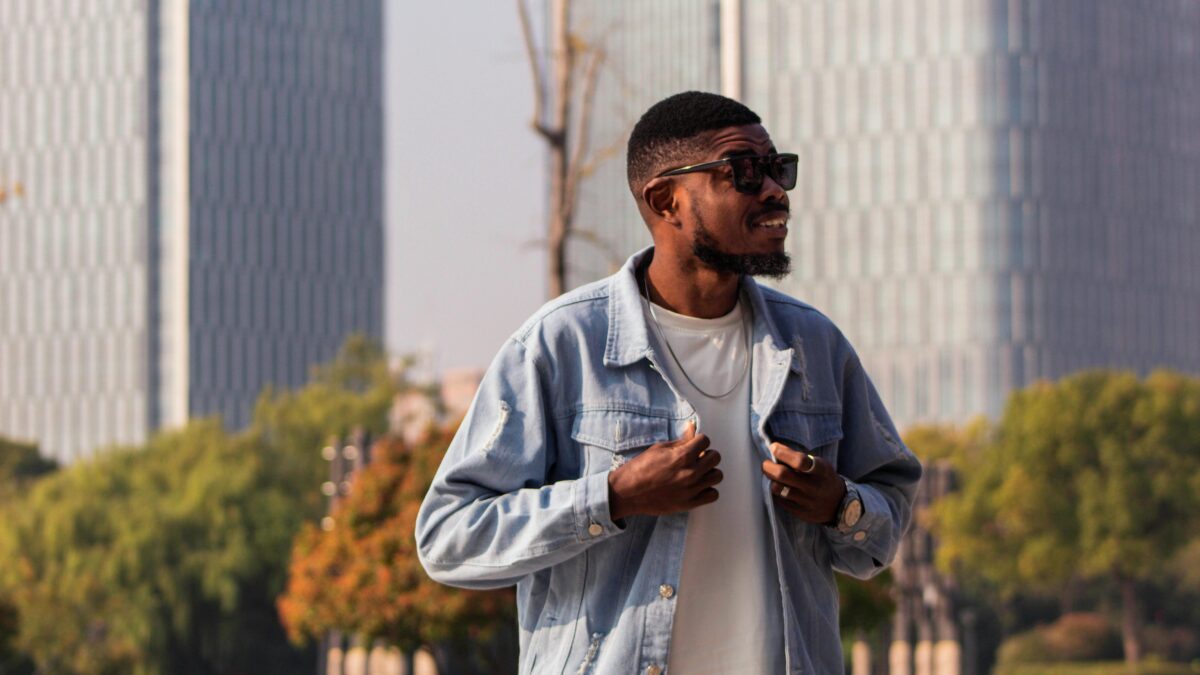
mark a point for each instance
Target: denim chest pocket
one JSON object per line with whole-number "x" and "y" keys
{"x": 817, "y": 433}
{"x": 611, "y": 437}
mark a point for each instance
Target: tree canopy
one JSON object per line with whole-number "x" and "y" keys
{"x": 151, "y": 560}
{"x": 169, "y": 557}
{"x": 1097, "y": 475}
{"x": 363, "y": 576}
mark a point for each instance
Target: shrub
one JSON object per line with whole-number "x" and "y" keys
{"x": 1027, "y": 647}
{"x": 1083, "y": 636}
{"x": 1079, "y": 636}
{"x": 1171, "y": 642}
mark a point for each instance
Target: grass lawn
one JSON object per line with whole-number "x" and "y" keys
{"x": 1100, "y": 668}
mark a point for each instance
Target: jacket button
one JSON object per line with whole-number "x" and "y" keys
{"x": 653, "y": 670}
{"x": 666, "y": 591}
{"x": 595, "y": 530}
{"x": 859, "y": 536}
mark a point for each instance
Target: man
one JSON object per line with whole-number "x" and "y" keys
{"x": 586, "y": 471}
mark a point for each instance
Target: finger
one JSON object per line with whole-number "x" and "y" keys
{"x": 787, "y": 456}
{"x": 800, "y": 495}
{"x": 793, "y": 508}
{"x": 706, "y": 496}
{"x": 786, "y": 475}
{"x": 810, "y": 464}
{"x": 712, "y": 478}
{"x": 700, "y": 475}
{"x": 710, "y": 459}
{"x": 783, "y": 490}
{"x": 822, "y": 467}
{"x": 696, "y": 445}
{"x": 689, "y": 431}
{"x": 798, "y": 461}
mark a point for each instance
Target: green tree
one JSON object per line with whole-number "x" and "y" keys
{"x": 163, "y": 559}
{"x": 1095, "y": 476}
{"x": 168, "y": 558}
{"x": 352, "y": 392}
{"x": 20, "y": 465}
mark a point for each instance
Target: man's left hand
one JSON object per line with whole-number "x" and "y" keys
{"x": 806, "y": 485}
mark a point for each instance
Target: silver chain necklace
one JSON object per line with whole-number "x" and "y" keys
{"x": 661, "y": 334}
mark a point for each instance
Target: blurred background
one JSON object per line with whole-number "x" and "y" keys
{"x": 254, "y": 257}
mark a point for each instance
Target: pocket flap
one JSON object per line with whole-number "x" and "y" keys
{"x": 808, "y": 430}
{"x": 619, "y": 430}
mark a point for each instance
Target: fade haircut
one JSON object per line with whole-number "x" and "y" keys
{"x": 667, "y": 134}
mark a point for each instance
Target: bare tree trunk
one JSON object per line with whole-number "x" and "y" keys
{"x": 562, "y": 58}
{"x": 1130, "y": 624}
{"x": 566, "y": 135}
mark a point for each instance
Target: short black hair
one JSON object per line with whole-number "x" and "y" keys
{"x": 667, "y": 132}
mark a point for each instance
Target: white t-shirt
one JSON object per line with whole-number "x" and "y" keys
{"x": 728, "y": 617}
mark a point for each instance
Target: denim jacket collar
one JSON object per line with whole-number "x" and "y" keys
{"x": 628, "y": 337}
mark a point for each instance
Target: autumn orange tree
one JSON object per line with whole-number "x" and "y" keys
{"x": 363, "y": 575}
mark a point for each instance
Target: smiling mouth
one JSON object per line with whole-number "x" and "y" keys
{"x": 774, "y": 221}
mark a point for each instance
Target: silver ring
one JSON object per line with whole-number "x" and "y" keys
{"x": 812, "y": 458}
{"x": 784, "y": 492}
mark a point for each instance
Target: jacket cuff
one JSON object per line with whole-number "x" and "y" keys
{"x": 876, "y": 519}
{"x": 593, "y": 520}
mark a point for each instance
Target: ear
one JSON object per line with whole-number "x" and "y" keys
{"x": 659, "y": 195}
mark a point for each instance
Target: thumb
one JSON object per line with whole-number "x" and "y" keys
{"x": 689, "y": 431}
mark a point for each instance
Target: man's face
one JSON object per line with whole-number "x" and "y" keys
{"x": 731, "y": 231}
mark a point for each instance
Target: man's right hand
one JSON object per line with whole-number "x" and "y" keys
{"x": 669, "y": 477}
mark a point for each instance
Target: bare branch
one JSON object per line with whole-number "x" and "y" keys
{"x": 607, "y": 152}
{"x": 563, "y": 58}
{"x": 610, "y": 254}
{"x": 586, "y": 103}
{"x": 539, "y": 82}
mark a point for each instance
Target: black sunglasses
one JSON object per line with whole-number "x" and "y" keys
{"x": 749, "y": 170}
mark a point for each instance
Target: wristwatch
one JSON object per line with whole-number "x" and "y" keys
{"x": 850, "y": 510}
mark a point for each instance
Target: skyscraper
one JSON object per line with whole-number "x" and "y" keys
{"x": 202, "y": 212}
{"x": 991, "y": 191}
{"x": 650, "y": 50}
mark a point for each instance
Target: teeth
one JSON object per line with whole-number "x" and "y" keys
{"x": 773, "y": 223}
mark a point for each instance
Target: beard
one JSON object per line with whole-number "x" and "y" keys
{"x": 706, "y": 249}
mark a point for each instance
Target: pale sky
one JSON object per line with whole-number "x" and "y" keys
{"x": 465, "y": 186}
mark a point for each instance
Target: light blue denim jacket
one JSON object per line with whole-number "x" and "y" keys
{"x": 522, "y": 495}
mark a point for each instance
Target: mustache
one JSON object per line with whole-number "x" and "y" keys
{"x": 772, "y": 207}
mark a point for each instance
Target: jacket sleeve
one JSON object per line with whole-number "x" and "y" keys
{"x": 490, "y": 517}
{"x": 883, "y": 470}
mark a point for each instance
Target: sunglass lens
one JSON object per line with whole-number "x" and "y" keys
{"x": 747, "y": 174}
{"x": 784, "y": 169}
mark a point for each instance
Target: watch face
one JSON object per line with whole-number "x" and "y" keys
{"x": 853, "y": 513}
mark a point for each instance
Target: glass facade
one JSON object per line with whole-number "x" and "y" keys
{"x": 991, "y": 191}
{"x": 651, "y": 50}
{"x": 202, "y": 208}
{"x": 73, "y": 247}
{"x": 286, "y": 186}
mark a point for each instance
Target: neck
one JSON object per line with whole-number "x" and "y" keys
{"x": 691, "y": 289}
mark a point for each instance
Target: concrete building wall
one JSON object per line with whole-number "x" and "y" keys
{"x": 74, "y": 247}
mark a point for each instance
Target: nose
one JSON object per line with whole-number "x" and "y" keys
{"x": 772, "y": 192}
